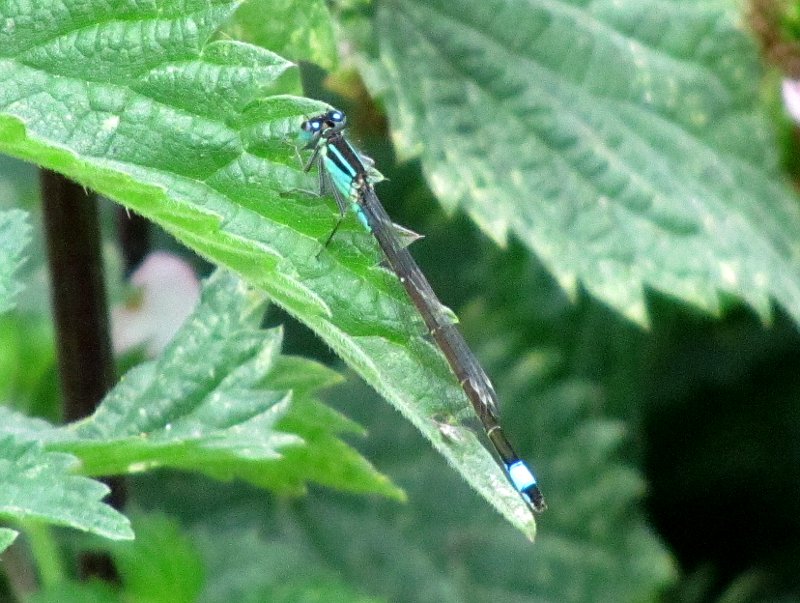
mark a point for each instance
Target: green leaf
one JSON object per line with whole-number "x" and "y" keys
{"x": 300, "y": 31}
{"x": 93, "y": 591}
{"x": 28, "y": 377}
{"x": 7, "y": 537}
{"x": 201, "y": 400}
{"x": 14, "y": 236}
{"x": 249, "y": 570}
{"x": 623, "y": 143}
{"x": 593, "y": 543}
{"x": 221, "y": 400}
{"x": 161, "y": 565}
{"x": 40, "y": 485}
{"x": 173, "y": 128}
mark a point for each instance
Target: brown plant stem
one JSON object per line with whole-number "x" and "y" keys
{"x": 85, "y": 361}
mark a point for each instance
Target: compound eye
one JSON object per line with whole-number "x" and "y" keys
{"x": 336, "y": 116}
{"x": 312, "y": 125}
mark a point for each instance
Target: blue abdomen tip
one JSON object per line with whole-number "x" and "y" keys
{"x": 521, "y": 476}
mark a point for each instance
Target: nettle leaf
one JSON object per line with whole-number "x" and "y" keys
{"x": 594, "y": 544}
{"x": 14, "y": 236}
{"x": 177, "y": 129}
{"x": 594, "y": 526}
{"x": 623, "y": 143}
{"x": 40, "y": 485}
{"x": 219, "y": 401}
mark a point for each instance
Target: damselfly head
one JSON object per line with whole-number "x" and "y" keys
{"x": 322, "y": 125}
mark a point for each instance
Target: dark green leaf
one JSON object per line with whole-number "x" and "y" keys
{"x": 593, "y": 543}
{"x": 161, "y": 565}
{"x": 28, "y": 378}
{"x": 77, "y": 592}
{"x": 623, "y": 143}
{"x": 250, "y": 570}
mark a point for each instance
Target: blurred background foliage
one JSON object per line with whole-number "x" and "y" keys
{"x": 667, "y": 441}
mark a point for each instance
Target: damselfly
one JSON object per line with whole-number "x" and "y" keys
{"x": 350, "y": 177}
